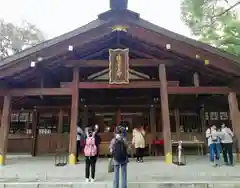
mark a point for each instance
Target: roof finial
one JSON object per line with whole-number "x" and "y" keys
{"x": 118, "y": 4}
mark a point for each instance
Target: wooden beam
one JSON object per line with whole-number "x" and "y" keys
{"x": 177, "y": 121}
{"x": 198, "y": 90}
{"x": 5, "y": 125}
{"x": 152, "y": 84}
{"x": 35, "y": 91}
{"x": 74, "y": 117}
{"x": 153, "y": 121}
{"x": 235, "y": 118}
{"x": 35, "y": 120}
{"x": 105, "y": 85}
{"x": 60, "y": 121}
{"x": 165, "y": 114}
{"x": 105, "y": 63}
{"x": 132, "y": 84}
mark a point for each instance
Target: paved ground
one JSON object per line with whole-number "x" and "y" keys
{"x": 153, "y": 173}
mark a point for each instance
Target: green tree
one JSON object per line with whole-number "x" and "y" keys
{"x": 14, "y": 39}
{"x": 214, "y": 22}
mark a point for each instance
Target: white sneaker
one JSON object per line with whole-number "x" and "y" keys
{"x": 92, "y": 180}
{"x": 87, "y": 180}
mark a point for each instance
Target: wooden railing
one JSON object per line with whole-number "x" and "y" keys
{"x": 47, "y": 144}
{"x": 51, "y": 143}
{"x": 19, "y": 143}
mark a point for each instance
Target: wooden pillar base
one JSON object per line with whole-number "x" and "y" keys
{"x": 168, "y": 158}
{"x": 2, "y": 160}
{"x": 72, "y": 159}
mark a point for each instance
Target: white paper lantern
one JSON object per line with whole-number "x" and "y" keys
{"x": 168, "y": 46}
{"x": 33, "y": 64}
{"x": 70, "y": 48}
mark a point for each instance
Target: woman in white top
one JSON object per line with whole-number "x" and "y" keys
{"x": 227, "y": 144}
{"x": 138, "y": 142}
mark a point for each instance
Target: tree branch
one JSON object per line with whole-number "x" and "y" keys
{"x": 227, "y": 10}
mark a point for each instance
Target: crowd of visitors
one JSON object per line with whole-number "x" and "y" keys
{"x": 218, "y": 140}
{"x": 118, "y": 148}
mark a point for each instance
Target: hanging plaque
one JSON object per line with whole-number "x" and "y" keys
{"x": 118, "y": 66}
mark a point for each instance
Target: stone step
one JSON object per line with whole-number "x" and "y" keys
{"x": 217, "y": 184}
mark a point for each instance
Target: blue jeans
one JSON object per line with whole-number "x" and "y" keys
{"x": 123, "y": 175}
{"x": 214, "y": 151}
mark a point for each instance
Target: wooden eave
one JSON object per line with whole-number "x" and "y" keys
{"x": 159, "y": 36}
{"x": 137, "y": 28}
{"x": 49, "y": 43}
{"x": 56, "y": 47}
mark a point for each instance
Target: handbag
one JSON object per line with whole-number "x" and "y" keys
{"x": 110, "y": 166}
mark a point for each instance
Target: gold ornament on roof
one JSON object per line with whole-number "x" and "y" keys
{"x": 206, "y": 62}
{"x": 119, "y": 28}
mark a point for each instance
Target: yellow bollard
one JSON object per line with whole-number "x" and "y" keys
{"x": 168, "y": 158}
{"x": 2, "y": 160}
{"x": 72, "y": 159}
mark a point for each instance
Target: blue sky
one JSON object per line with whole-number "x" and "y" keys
{"x": 55, "y": 17}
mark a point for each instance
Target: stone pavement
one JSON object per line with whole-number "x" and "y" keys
{"x": 41, "y": 172}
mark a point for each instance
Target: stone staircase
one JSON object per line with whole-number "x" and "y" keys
{"x": 130, "y": 185}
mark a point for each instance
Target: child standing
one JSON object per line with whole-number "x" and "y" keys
{"x": 90, "y": 152}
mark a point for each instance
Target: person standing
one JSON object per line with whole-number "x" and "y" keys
{"x": 80, "y": 134}
{"x": 138, "y": 142}
{"x": 213, "y": 137}
{"x": 227, "y": 144}
{"x": 118, "y": 149}
{"x": 90, "y": 152}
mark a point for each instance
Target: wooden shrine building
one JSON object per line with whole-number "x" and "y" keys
{"x": 117, "y": 68}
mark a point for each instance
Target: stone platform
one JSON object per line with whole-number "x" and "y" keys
{"x": 153, "y": 173}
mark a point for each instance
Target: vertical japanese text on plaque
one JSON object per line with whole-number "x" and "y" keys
{"x": 119, "y": 66}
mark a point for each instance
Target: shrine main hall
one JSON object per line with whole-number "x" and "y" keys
{"x": 116, "y": 69}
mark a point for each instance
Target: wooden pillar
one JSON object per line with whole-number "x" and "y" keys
{"x": 177, "y": 120}
{"x": 234, "y": 114}
{"x": 202, "y": 119}
{"x": 5, "y": 125}
{"x": 196, "y": 79}
{"x": 165, "y": 114}
{"x": 118, "y": 116}
{"x": 35, "y": 118}
{"x": 0, "y": 118}
{"x": 60, "y": 120}
{"x": 153, "y": 121}
{"x": 74, "y": 117}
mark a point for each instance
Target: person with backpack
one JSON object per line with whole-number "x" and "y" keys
{"x": 118, "y": 148}
{"x": 227, "y": 144}
{"x": 90, "y": 152}
{"x": 213, "y": 137}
